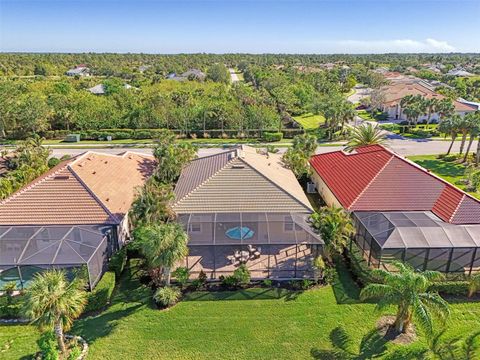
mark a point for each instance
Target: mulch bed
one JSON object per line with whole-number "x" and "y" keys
{"x": 388, "y": 332}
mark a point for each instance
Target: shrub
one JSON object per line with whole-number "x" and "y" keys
{"x": 202, "y": 277}
{"x": 267, "y": 283}
{"x": 451, "y": 287}
{"x": 450, "y": 157}
{"x": 272, "y": 136}
{"x": 118, "y": 262}
{"x": 100, "y": 297}
{"x": 48, "y": 346}
{"x": 53, "y": 161}
{"x": 391, "y": 127}
{"x": 75, "y": 353}
{"x": 229, "y": 282}
{"x": 167, "y": 296}
{"x": 11, "y": 306}
{"x": 142, "y": 134}
{"x": 242, "y": 274}
{"x": 65, "y": 157}
{"x": 181, "y": 274}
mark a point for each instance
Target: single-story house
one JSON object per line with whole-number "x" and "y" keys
{"x": 395, "y": 92}
{"x": 401, "y": 210}
{"x": 244, "y": 207}
{"x": 192, "y": 74}
{"x": 74, "y": 215}
{"x": 459, "y": 73}
{"x": 100, "y": 89}
{"x": 80, "y": 70}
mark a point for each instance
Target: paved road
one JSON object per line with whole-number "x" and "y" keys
{"x": 406, "y": 147}
{"x": 233, "y": 75}
{"x": 360, "y": 93}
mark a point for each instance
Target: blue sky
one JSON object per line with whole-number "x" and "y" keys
{"x": 286, "y": 26}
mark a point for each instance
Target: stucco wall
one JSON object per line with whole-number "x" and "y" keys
{"x": 324, "y": 191}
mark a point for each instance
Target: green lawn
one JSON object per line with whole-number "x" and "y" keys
{"x": 249, "y": 324}
{"x": 309, "y": 121}
{"x": 366, "y": 115}
{"x": 450, "y": 171}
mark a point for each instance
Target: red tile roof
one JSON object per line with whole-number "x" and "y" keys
{"x": 376, "y": 179}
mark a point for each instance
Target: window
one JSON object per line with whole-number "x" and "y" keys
{"x": 195, "y": 227}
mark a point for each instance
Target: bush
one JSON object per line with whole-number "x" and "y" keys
{"x": 75, "y": 353}
{"x": 457, "y": 288}
{"x": 142, "y": 134}
{"x": 100, "y": 297}
{"x": 229, "y": 282}
{"x": 242, "y": 274}
{"x": 450, "y": 157}
{"x": 48, "y": 346}
{"x": 267, "y": 283}
{"x": 303, "y": 284}
{"x": 272, "y": 136}
{"x": 11, "y": 307}
{"x": 53, "y": 161}
{"x": 391, "y": 127}
{"x": 118, "y": 262}
{"x": 167, "y": 296}
{"x": 181, "y": 274}
{"x": 359, "y": 266}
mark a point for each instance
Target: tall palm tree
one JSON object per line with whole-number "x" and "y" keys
{"x": 163, "y": 245}
{"x": 152, "y": 203}
{"x": 365, "y": 134}
{"x": 432, "y": 107}
{"x": 335, "y": 226}
{"x": 474, "y": 121}
{"x": 466, "y": 125}
{"x": 53, "y": 302}
{"x": 445, "y": 108}
{"x": 408, "y": 290}
{"x": 451, "y": 126}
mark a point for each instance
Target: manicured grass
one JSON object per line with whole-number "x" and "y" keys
{"x": 450, "y": 171}
{"x": 366, "y": 115}
{"x": 18, "y": 341}
{"x": 310, "y": 121}
{"x": 248, "y": 324}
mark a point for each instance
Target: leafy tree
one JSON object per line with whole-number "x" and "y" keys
{"x": 31, "y": 113}
{"x": 336, "y": 227}
{"x": 152, "y": 203}
{"x": 365, "y": 134}
{"x": 53, "y": 302}
{"x": 218, "y": 73}
{"x": 296, "y": 158}
{"x": 408, "y": 291}
{"x": 163, "y": 245}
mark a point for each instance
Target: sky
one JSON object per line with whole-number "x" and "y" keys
{"x": 245, "y": 26}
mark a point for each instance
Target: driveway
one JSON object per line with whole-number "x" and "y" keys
{"x": 402, "y": 146}
{"x": 233, "y": 75}
{"x": 360, "y": 93}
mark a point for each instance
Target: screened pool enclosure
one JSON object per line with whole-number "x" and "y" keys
{"x": 26, "y": 250}
{"x": 275, "y": 245}
{"x": 418, "y": 238}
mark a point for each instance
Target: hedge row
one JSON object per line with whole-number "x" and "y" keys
{"x": 100, "y": 297}
{"x": 143, "y": 134}
{"x": 458, "y": 288}
{"x": 118, "y": 262}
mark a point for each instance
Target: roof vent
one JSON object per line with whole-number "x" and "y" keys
{"x": 238, "y": 166}
{"x": 61, "y": 177}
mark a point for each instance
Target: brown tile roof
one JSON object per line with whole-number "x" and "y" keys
{"x": 239, "y": 181}
{"x": 92, "y": 188}
{"x": 395, "y": 92}
{"x": 377, "y": 179}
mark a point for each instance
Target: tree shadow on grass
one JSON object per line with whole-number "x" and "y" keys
{"x": 442, "y": 168}
{"x": 345, "y": 289}
{"x": 372, "y": 346}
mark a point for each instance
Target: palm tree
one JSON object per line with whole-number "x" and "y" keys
{"x": 432, "y": 107}
{"x": 365, "y": 134}
{"x": 454, "y": 348}
{"x": 451, "y": 126}
{"x": 465, "y": 126}
{"x": 152, "y": 203}
{"x": 408, "y": 290}
{"x": 473, "y": 284}
{"x": 163, "y": 245}
{"x": 474, "y": 121}
{"x": 53, "y": 302}
{"x": 335, "y": 226}
{"x": 445, "y": 108}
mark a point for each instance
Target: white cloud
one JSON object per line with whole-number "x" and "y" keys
{"x": 398, "y": 45}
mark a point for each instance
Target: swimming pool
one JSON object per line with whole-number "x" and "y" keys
{"x": 240, "y": 233}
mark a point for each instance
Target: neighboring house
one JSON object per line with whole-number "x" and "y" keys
{"x": 240, "y": 206}
{"x": 80, "y": 70}
{"x": 395, "y": 92}
{"x": 402, "y": 211}
{"x": 459, "y": 73}
{"x": 74, "y": 215}
{"x": 192, "y": 74}
{"x": 474, "y": 104}
{"x": 100, "y": 89}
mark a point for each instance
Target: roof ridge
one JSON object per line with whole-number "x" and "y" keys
{"x": 371, "y": 181}
{"x": 91, "y": 192}
{"x": 456, "y": 209}
{"x": 276, "y": 185}
{"x": 209, "y": 178}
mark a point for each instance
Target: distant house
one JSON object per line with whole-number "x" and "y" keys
{"x": 459, "y": 73}
{"x": 192, "y": 74}
{"x": 243, "y": 207}
{"x": 80, "y": 70}
{"x": 143, "y": 68}
{"x": 100, "y": 89}
{"x": 75, "y": 215}
{"x": 395, "y": 92}
{"x": 401, "y": 211}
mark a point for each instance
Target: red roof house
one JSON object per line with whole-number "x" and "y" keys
{"x": 373, "y": 178}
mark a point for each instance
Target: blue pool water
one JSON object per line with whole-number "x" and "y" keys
{"x": 240, "y": 233}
